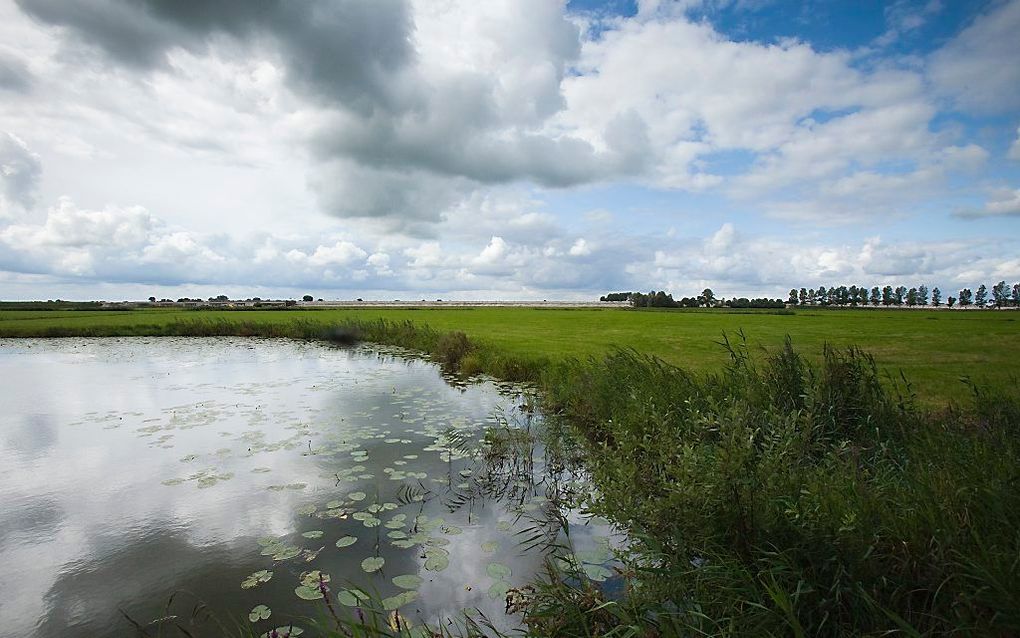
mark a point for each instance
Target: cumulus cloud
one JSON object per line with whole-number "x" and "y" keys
{"x": 14, "y": 74}
{"x": 20, "y": 170}
{"x": 1002, "y": 202}
{"x": 456, "y": 146}
{"x": 977, "y": 68}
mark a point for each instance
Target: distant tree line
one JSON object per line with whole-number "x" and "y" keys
{"x": 1003, "y": 296}
{"x": 707, "y": 299}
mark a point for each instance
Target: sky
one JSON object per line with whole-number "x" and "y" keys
{"x": 505, "y": 149}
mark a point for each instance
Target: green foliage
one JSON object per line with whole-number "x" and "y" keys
{"x": 782, "y": 498}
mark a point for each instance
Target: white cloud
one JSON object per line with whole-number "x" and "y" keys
{"x": 1014, "y": 150}
{"x": 1002, "y": 202}
{"x": 978, "y": 67}
{"x": 20, "y": 170}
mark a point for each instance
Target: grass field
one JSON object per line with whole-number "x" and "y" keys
{"x": 933, "y": 349}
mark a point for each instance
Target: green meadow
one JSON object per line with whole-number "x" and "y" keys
{"x": 933, "y": 349}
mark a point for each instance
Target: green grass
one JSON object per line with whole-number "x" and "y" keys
{"x": 934, "y": 349}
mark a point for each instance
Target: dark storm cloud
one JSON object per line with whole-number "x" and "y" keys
{"x": 390, "y": 141}
{"x": 342, "y": 50}
{"x": 14, "y": 74}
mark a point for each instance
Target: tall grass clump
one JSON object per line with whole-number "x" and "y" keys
{"x": 782, "y": 498}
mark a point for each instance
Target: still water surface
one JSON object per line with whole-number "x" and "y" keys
{"x": 223, "y": 471}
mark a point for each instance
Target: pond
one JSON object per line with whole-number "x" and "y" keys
{"x": 265, "y": 483}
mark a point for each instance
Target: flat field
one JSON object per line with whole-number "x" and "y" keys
{"x": 933, "y": 348}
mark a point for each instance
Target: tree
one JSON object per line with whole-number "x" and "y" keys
{"x": 981, "y": 296}
{"x": 922, "y": 295}
{"x": 965, "y": 297}
{"x": 950, "y": 301}
{"x": 887, "y": 295}
{"x": 1000, "y": 294}
{"x": 804, "y": 298}
{"x": 899, "y": 294}
{"x": 152, "y": 300}
{"x": 823, "y": 296}
{"x": 793, "y": 297}
{"x": 912, "y": 297}
{"x": 708, "y": 296}
{"x": 876, "y": 296}
{"x": 936, "y": 296}
{"x": 1016, "y": 295}
{"x": 308, "y": 298}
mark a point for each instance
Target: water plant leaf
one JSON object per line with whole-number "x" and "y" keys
{"x": 597, "y": 573}
{"x": 287, "y": 631}
{"x": 407, "y": 581}
{"x": 436, "y": 562}
{"x": 401, "y": 599}
{"x": 314, "y": 577}
{"x": 594, "y": 556}
{"x": 352, "y": 597}
{"x": 308, "y": 592}
{"x": 357, "y": 496}
{"x": 256, "y": 579}
{"x": 315, "y": 533}
{"x": 347, "y": 541}
{"x": 287, "y": 552}
{"x": 499, "y": 589}
{"x": 490, "y": 546}
{"x": 259, "y": 612}
{"x": 373, "y": 563}
{"x": 499, "y": 571}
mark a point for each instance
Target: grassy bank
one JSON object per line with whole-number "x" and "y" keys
{"x": 934, "y": 349}
{"x": 783, "y": 498}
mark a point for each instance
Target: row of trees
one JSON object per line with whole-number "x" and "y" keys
{"x": 1003, "y": 296}
{"x": 707, "y": 299}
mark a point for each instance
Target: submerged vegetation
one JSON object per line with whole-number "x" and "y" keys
{"x": 777, "y": 496}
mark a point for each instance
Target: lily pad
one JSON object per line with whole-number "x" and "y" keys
{"x": 315, "y": 533}
{"x": 357, "y": 496}
{"x": 256, "y": 579}
{"x": 597, "y": 573}
{"x": 393, "y": 602}
{"x": 286, "y": 552}
{"x": 259, "y": 612}
{"x": 347, "y": 541}
{"x": 287, "y": 631}
{"x": 490, "y": 546}
{"x": 499, "y": 589}
{"x": 436, "y": 562}
{"x": 308, "y": 592}
{"x": 499, "y": 571}
{"x": 352, "y": 597}
{"x": 373, "y": 563}
{"x": 407, "y": 581}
